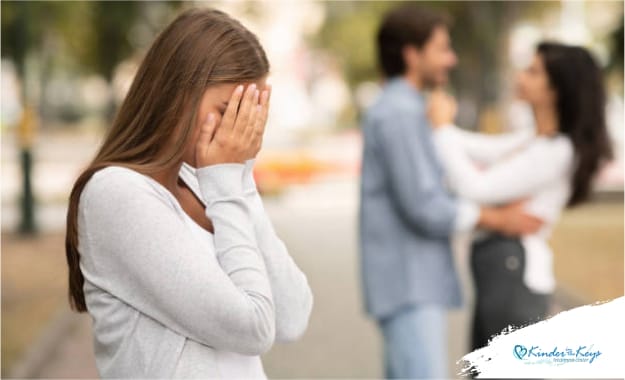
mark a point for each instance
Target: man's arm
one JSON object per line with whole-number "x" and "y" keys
{"x": 418, "y": 194}
{"x": 510, "y": 219}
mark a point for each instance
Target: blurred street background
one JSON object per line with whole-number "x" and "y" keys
{"x": 66, "y": 67}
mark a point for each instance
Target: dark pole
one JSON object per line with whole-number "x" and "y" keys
{"x": 27, "y": 201}
{"x": 26, "y": 127}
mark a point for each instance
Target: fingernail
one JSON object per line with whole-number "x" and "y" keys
{"x": 240, "y": 88}
{"x": 252, "y": 86}
{"x": 256, "y": 94}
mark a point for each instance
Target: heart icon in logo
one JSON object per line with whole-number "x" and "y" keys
{"x": 520, "y": 351}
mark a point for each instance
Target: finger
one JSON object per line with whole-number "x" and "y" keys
{"x": 269, "y": 89}
{"x": 264, "y": 102}
{"x": 247, "y": 104}
{"x": 206, "y": 132}
{"x": 263, "y": 110}
{"x": 230, "y": 115}
{"x": 253, "y": 118}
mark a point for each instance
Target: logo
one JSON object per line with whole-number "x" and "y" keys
{"x": 520, "y": 351}
{"x": 555, "y": 355}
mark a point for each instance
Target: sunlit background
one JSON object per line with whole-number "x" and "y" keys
{"x": 66, "y": 66}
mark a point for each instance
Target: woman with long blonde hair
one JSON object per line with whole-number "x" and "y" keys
{"x": 168, "y": 245}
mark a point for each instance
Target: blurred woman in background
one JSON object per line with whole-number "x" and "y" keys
{"x": 551, "y": 167}
{"x": 168, "y": 244}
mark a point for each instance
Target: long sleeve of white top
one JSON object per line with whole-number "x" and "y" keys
{"x": 518, "y": 176}
{"x": 488, "y": 148}
{"x": 291, "y": 292}
{"x": 143, "y": 253}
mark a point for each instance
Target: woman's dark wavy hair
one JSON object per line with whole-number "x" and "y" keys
{"x": 578, "y": 82}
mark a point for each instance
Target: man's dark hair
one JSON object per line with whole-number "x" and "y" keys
{"x": 405, "y": 25}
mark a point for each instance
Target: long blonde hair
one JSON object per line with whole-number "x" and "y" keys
{"x": 200, "y": 48}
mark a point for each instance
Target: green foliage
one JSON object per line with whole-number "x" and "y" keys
{"x": 349, "y": 33}
{"x": 92, "y": 36}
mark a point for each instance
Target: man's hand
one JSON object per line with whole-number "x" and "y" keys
{"x": 511, "y": 219}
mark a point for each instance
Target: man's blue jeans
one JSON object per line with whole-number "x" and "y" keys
{"x": 415, "y": 342}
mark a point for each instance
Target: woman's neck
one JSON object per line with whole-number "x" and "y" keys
{"x": 169, "y": 178}
{"x": 546, "y": 120}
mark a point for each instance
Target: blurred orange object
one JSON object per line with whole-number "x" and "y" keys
{"x": 274, "y": 171}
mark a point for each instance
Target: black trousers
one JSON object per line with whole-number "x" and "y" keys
{"x": 502, "y": 298}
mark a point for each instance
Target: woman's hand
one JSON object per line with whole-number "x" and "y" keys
{"x": 239, "y": 135}
{"x": 442, "y": 108}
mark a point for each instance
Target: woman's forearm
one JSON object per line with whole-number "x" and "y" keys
{"x": 489, "y": 148}
{"x": 292, "y": 294}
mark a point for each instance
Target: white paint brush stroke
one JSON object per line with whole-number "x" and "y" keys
{"x": 599, "y": 327}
